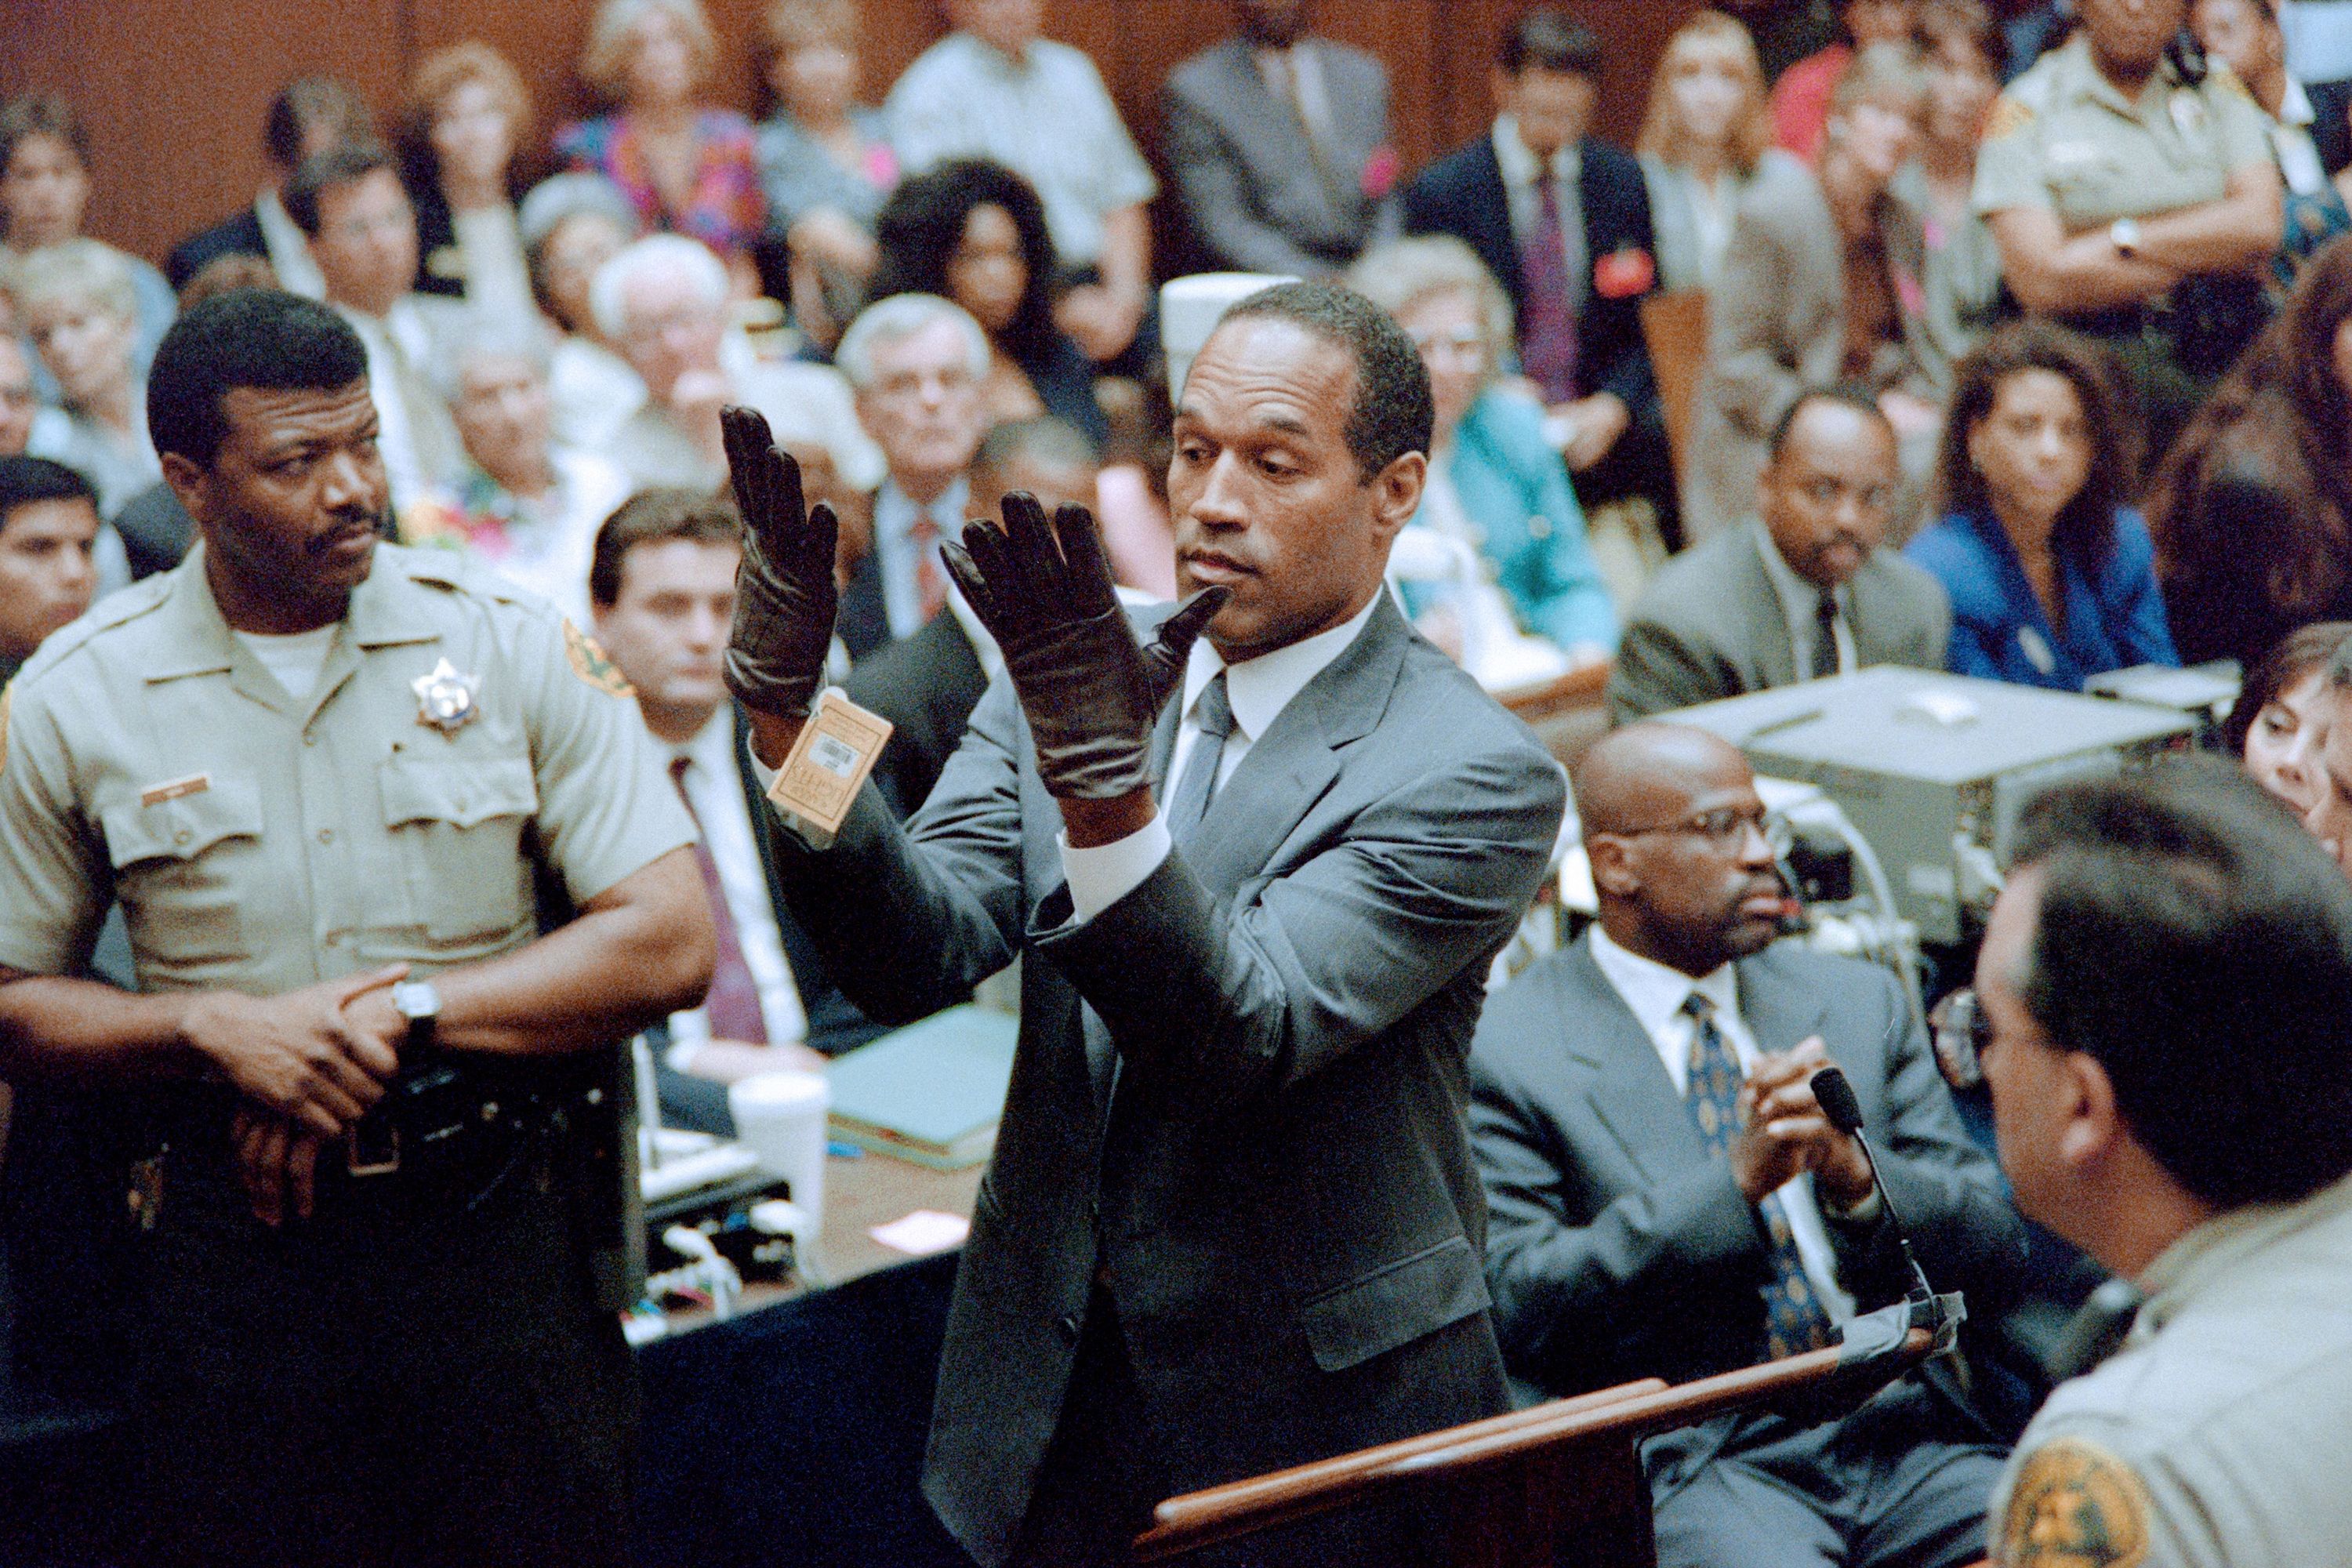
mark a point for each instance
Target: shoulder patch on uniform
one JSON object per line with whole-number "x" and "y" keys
{"x": 590, "y": 663}
{"x": 2010, "y": 115}
{"x": 2075, "y": 1506}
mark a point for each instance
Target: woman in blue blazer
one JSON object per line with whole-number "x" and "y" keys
{"x": 1496, "y": 481}
{"x": 2050, "y": 581}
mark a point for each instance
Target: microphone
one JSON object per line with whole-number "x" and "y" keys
{"x": 1870, "y": 1352}
{"x": 1845, "y": 1112}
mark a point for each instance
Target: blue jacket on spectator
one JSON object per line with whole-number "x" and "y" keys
{"x": 2114, "y": 618}
{"x": 1514, "y": 490}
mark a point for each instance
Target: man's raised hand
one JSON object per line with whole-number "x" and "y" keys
{"x": 784, "y": 594}
{"x": 1091, "y": 694}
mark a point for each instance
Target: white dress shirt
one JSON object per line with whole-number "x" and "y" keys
{"x": 1258, "y": 690}
{"x": 1295, "y": 76}
{"x": 2298, "y": 154}
{"x": 715, "y": 790}
{"x": 1657, "y": 994}
{"x": 288, "y": 249}
{"x": 893, "y": 518}
{"x": 1798, "y": 600}
{"x": 422, "y": 452}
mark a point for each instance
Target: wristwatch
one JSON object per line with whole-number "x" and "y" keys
{"x": 420, "y": 1003}
{"x": 2124, "y": 235}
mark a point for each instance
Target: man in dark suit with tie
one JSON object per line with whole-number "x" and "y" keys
{"x": 1562, "y": 220}
{"x": 926, "y": 685}
{"x": 1807, "y": 590}
{"x": 1231, "y": 1223}
{"x": 1667, "y": 1198}
{"x": 661, "y": 588}
{"x": 1279, "y": 144}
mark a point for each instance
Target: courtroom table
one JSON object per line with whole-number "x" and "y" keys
{"x": 793, "y": 1432}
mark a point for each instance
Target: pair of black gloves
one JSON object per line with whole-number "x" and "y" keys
{"x": 1091, "y": 694}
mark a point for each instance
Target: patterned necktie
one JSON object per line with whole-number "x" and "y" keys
{"x": 1547, "y": 301}
{"x": 733, "y": 1004}
{"x": 1189, "y": 800}
{"x": 1794, "y": 1320}
{"x": 1825, "y": 648}
{"x": 930, "y": 582}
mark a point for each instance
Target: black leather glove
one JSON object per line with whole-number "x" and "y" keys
{"x": 784, "y": 593}
{"x": 1090, "y": 694}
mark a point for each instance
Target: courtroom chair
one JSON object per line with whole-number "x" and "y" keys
{"x": 1559, "y": 1485}
{"x": 1674, "y": 326}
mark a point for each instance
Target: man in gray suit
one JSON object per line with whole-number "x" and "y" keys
{"x": 1232, "y": 1223}
{"x": 1280, "y": 145}
{"x": 1807, "y": 590}
{"x": 1667, "y": 1198}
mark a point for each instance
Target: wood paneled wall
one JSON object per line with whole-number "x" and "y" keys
{"x": 176, "y": 90}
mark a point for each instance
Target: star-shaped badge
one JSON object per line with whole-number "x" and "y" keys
{"x": 444, "y": 698}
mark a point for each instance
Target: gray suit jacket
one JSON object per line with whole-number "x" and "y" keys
{"x": 1256, "y": 195}
{"x": 1239, "y": 1092}
{"x": 1710, "y": 626}
{"x": 1617, "y": 1249}
{"x": 1775, "y": 326}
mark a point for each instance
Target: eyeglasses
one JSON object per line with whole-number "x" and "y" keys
{"x": 1725, "y": 828}
{"x": 1963, "y": 1033}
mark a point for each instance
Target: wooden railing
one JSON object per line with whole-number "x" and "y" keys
{"x": 1560, "y": 1484}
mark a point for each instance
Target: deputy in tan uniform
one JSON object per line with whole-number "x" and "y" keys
{"x": 338, "y": 790}
{"x": 2131, "y": 189}
{"x": 2168, "y": 984}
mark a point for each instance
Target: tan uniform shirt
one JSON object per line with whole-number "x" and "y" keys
{"x": 262, "y": 843}
{"x": 2220, "y": 1435}
{"x": 2062, "y": 136}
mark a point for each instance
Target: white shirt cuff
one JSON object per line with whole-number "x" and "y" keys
{"x": 1101, "y": 876}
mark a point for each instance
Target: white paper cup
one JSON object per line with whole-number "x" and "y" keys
{"x": 780, "y": 1117}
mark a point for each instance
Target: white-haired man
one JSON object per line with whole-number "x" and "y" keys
{"x": 917, "y": 362}
{"x": 663, "y": 301}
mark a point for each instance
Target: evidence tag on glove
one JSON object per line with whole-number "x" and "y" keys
{"x": 837, "y": 748}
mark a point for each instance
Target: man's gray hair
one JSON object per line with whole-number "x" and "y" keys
{"x": 902, "y": 316}
{"x": 608, "y": 293}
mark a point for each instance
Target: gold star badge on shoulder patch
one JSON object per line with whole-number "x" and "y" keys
{"x": 591, "y": 664}
{"x": 2075, "y": 1506}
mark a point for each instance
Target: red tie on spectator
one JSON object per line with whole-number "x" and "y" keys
{"x": 930, "y": 582}
{"x": 1547, "y": 318}
{"x": 733, "y": 1004}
